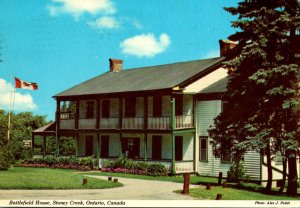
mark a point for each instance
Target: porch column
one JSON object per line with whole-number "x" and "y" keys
{"x": 32, "y": 144}
{"x": 195, "y": 134}
{"x": 173, "y": 135}
{"x": 98, "y": 113}
{"x": 58, "y": 114}
{"x": 145, "y": 126}
{"x": 97, "y": 150}
{"x": 77, "y": 114}
{"x": 120, "y": 147}
{"x": 44, "y": 146}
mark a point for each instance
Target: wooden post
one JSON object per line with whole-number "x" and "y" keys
{"x": 98, "y": 113}
{"x": 32, "y": 144}
{"x": 173, "y": 136}
{"x": 84, "y": 181}
{"x": 115, "y": 180}
{"x": 57, "y": 146}
{"x": 208, "y": 186}
{"x": 109, "y": 178}
{"x": 97, "y": 150}
{"x": 44, "y": 146}
{"x": 186, "y": 183}
{"x": 145, "y": 126}
{"x": 220, "y": 179}
{"x": 219, "y": 197}
{"x": 77, "y": 114}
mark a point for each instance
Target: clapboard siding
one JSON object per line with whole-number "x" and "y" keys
{"x": 206, "y": 112}
{"x": 252, "y": 165}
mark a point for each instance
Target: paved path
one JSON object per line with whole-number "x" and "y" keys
{"x": 133, "y": 189}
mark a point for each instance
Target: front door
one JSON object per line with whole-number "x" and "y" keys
{"x": 89, "y": 145}
{"x": 131, "y": 147}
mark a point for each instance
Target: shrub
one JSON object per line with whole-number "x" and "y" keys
{"x": 5, "y": 160}
{"x": 236, "y": 172}
{"x": 87, "y": 161}
{"x": 157, "y": 170}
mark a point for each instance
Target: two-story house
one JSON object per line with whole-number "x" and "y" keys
{"x": 158, "y": 114}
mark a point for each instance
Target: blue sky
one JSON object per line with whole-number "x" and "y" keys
{"x": 60, "y": 43}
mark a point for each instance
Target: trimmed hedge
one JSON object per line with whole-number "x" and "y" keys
{"x": 5, "y": 161}
{"x": 83, "y": 164}
{"x": 124, "y": 165}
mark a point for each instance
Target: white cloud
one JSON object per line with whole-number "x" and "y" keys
{"x": 23, "y": 102}
{"x": 78, "y": 7}
{"x": 105, "y": 22}
{"x": 145, "y": 45}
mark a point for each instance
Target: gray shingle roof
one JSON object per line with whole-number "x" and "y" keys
{"x": 219, "y": 86}
{"x": 142, "y": 79}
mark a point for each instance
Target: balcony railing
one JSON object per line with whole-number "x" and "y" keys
{"x": 133, "y": 123}
{"x": 109, "y": 123}
{"x": 183, "y": 122}
{"x": 67, "y": 116}
{"x": 87, "y": 123}
{"x": 159, "y": 122}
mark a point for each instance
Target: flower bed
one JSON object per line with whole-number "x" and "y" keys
{"x": 123, "y": 165}
{"x": 84, "y": 164}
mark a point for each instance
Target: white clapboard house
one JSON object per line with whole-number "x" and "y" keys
{"x": 159, "y": 114}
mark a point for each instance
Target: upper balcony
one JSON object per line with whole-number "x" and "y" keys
{"x": 105, "y": 114}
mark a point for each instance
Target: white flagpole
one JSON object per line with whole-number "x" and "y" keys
{"x": 10, "y": 108}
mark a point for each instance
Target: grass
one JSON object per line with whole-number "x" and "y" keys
{"x": 45, "y": 178}
{"x": 177, "y": 179}
{"x": 233, "y": 194}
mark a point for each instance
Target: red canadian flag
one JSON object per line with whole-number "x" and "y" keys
{"x": 25, "y": 85}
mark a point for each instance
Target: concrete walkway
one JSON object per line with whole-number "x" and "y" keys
{"x": 133, "y": 189}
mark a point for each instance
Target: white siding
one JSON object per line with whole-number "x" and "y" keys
{"x": 166, "y": 106}
{"x": 188, "y": 147}
{"x": 206, "y": 112}
{"x": 252, "y": 165}
{"x": 114, "y": 145}
{"x": 205, "y": 81}
{"x": 139, "y": 112}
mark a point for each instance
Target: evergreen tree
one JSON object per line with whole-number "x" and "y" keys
{"x": 263, "y": 90}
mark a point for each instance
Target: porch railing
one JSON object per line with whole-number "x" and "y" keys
{"x": 109, "y": 123}
{"x": 87, "y": 123}
{"x": 67, "y": 124}
{"x": 66, "y": 116}
{"x": 186, "y": 121}
{"x": 133, "y": 123}
{"x": 159, "y": 122}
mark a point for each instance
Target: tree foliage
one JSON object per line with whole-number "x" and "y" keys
{"x": 263, "y": 90}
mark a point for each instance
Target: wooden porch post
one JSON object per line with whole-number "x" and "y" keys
{"x": 195, "y": 134}
{"x": 173, "y": 135}
{"x": 32, "y": 143}
{"x": 145, "y": 126}
{"x": 77, "y": 114}
{"x": 97, "y": 150}
{"x": 98, "y": 113}
{"x": 44, "y": 146}
{"x": 120, "y": 123}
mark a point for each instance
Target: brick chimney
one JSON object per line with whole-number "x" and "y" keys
{"x": 115, "y": 65}
{"x": 226, "y": 46}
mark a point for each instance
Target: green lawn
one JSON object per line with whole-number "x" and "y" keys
{"x": 233, "y": 194}
{"x": 46, "y": 178}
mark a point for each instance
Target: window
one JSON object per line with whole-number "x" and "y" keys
{"x": 203, "y": 149}
{"x": 178, "y": 147}
{"x": 226, "y": 157}
{"x": 179, "y": 105}
{"x": 90, "y": 109}
{"x": 130, "y": 104}
{"x": 157, "y": 106}
{"x": 105, "y": 108}
{"x": 156, "y": 147}
{"x": 131, "y": 147}
{"x": 104, "y": 146}
{"x": 89, "y": 145}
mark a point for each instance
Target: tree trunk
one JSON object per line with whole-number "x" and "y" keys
{"x": 269, "y": 166}
{"x": 292, "y": 178}
{"x": 284, "y": 163}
